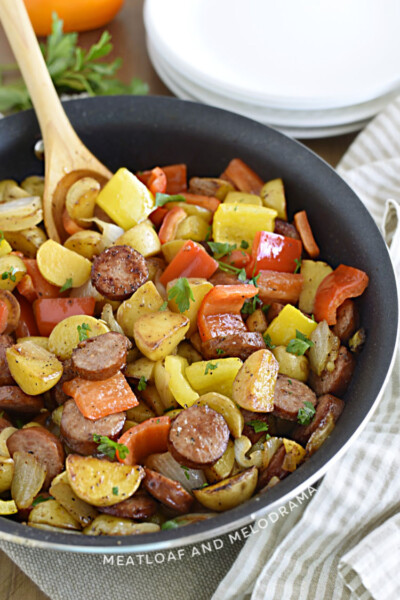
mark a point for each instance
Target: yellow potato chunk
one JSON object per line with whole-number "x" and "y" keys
{"x": 39, "y": 340}
{"x": 12, "y": 270}
{"x": 144, "y": 301}
{"x": 52, "y": 513}
{"x": 57, "y": 264}
{"x": 27, "y": 241}
{"x": 253, "y": 388}
{"x": 65, "y": 336}
{"x": 223, "y": 467}
{"x": 143, "y": 367}
{"x": 228, "y": 493}
{"x": 142, "y": 238}
{"x": 35, "y": 369}
{"x": 291, "y": 365}
{"x": 86, "y": 243}
{"x": 273, "y": 196}
{"x": 100, "y": 482}
{"x": 110, "y": 525}
{"x": 158, "y": 334}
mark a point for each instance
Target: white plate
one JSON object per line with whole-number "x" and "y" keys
{"x": 296, "y": 132}
{"x": 275, "y": 117}
{"x": 297, "y": 54}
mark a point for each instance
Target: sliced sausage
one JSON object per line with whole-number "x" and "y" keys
{"x": 45, "y": 446}
{"x": 326, "y": 404}
{"x": 4, "y": 423}
{"x": 14, "y": 400}
{"x": 289, "y": 396}
{"x": 222, "y": 278}
{"x": 57, "y": 394}
{"x": 196, "y": 342}
{"x": 347, "y": 320}
{"x": 337, "y": 381}
{"x": 118, "y": 272}
{"x": 167, "y": 491}
{"x": 274, "y": 310}
{"x": 138, "y": 506}
{"x": 77, "y": 432}
{"x": 240, "y": 344}
{"x": 274, "y": 469}
{"x": 198, "y": 437}
{"x": 5, "y": 376}
{"x": 248, "y": 430}
{"x": 287, "y": 229}
{"x": 101, "y": 357}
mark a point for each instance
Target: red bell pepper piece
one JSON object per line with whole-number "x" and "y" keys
{"x": 344, "y": 282}
{"x": 43, "y": 288}
{"x": 219, "y": 312}
{"x": 157, "y": 216}
{"x": 274, "y": 286}
{"x": 27, "y": 324}
{"x": 191, "y": 261}
{"x": 50, "y": 311}
{"x": 69, "y": 224}
{"x": 243, "y": 178}
{"x": 273, "y": 252}
{"x": 157, "y": 182}
{"x": 170, "y": 224}
{"x": 176, "y": 178}
{"x": 237, "y": 258}
{"x": 3, "y": 316}
{"x": 306, "y": 234}
{"x": 208, "y": 202}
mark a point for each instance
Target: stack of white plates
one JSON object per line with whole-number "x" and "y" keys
{"x": 311, "y": 68}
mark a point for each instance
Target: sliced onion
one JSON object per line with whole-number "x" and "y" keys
{"x": 29, "y": 476}
{"x": 107, "y": 315}
{"x": 87, "y": 290}
{"x": 168, "y": 466}
{"x": 259, "y": 454}
{"x": 325, "y": 350}
{"x": 110, "y": 231}
{"x": 319, "y": 436}
{"x": 21, "y": 213}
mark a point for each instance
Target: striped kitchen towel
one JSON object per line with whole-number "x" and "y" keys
{"x": 344, "y": 543}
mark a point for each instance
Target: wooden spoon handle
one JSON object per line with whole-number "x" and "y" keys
{"x": 53, "y": 121}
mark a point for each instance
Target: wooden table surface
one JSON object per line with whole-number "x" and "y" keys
{"x": 128, "y": 36}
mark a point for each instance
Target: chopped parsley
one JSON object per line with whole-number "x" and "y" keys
{"x": 220, "y": 352}
{"x": 115, "y": 490}
{"x": 109, "y": 447}
{"x": 208, "y": 234}
{"x": 210, "y": 367}
{"x": 83, "y": 331}
{"x": 162, "y": 199}
{"x": 9, "y": 274}
{"x": 163, "y": 306}
{"x": 258, "y": 425}
{"x": 266, "y": 308}
{"x": 300, "y": 345}
{"x": 268, "y": 341}
{"x": 298, "y": 265}
{"x": 171, "y": 524}
{"x": 221, "y": 249}
{"x": 182, "y": 293}
{"x": 142, "y": 385}
{"x": 40, "y": 499}
{"x": 306, "y": 413}
{"x": 186, "y": 470}
{"x": 67, "y": 285}
{"x": 244, "y": 244}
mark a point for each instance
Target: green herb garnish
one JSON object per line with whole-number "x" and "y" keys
{"x": 171, "y": 524}
{"x": 221, "y": 249}
{"x": 109, "y": 447}
{"x": 298, "y": 264}
{"x": 220, "y": 352}
{"x": 268, "y": 341}
{"x": 306, "y": 413}
{"x": 244, "y": 244}
{"x": 83, "y": 331}
{"x": 186, "y": 470}
{"x": 40, "y": 499}
{"x": 67, "y": 285}
{"x": 9, "y": 274}
{"x": 300, "y": 345}
{"x": 182, "y": 293}
{"x": 258, "y": 425}
{"x": 162, "y": 199}
{"x": 163, "y": 306}
{"x": 115, "y": 491}
{"x": 142, "y": 384}
{"x": 210, "y": 367}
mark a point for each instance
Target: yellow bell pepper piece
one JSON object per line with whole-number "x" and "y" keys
{"x": 5, "y": 247}
{"x": 283, "y": 328}
{"x": 236, "y": 222}
{"x": 8, "y": 507}
{"x": 200, "y": 287}
{"x": 214, "y": 375}
{"x": 273, "y": 196}
{"x": 242, "y": 198}
{"x": 179, "y": 386}
{"x": 125, "y": 199}
{"x": 192, "y": 228}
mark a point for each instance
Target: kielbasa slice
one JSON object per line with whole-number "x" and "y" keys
{"x": 222, "y": 278}
{"x": 118, "y": 272}
{"x": 14, "y": 400}
{"x": 45, "y": 446}
{"x": 334, "y": 382}
{"x": 347, "y": 320}
{"x": 274, "y": 469}
{"x": 167, "y": 491}
{"x": 77, "y": 431}
{"x": 284, "y": 228}
{"x": 198, "y": 437}
{"x": 274, "y": 310}
{"x": 138, "y": 506}
{"x": 240, "y": 344}
{"x": 4, "y": 423}
{"x": 289, "y": 396}
{"x": 6, "y": 341}
{"x": 248, "y": 430}
{"x": 326, "y": 404}
{"x": 57, "y": 393}
{"x": 101, "y": 357}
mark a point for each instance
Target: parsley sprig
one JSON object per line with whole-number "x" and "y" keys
{"x": 40, "y": 499}
{"x": 220, "y": 249}
{"x": 67, "y": 285}
{"x": 300, "y": 345}
{"x": 306, "y": 414}
{"x": 109, "y": 447}
{"x": 268, "y": 341}
{"x": 9, "y": 274}
{"x": 258, "y": 425}
{"x": 83, "y": 331}
{"x": 142, "y": 385}
{"x": 182, "y": 293}
{"x": 210, "y": 367}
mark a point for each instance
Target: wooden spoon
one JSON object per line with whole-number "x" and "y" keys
{"x": 66, "y": 158}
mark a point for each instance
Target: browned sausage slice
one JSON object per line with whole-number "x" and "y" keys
{"x": 198, "y": 437}
{"x": 334, "y": 382}
{"x": 45, "y": 446}
{"x": 57, "y": 394}
{"x": 289, "y": 396}
{"x": 274, "y": 310}
{"x": 14, "y": 400}
{"x": 347, "y": 320}
{"x": 118, "y": 272}
{"x": 77, "y": 432}
{"x": 240, "y": 344}
{"x": 222, "y": 278}
{"x": 167, "y": 491}
{"x": 274, "y": 469}
{"x": 326, "y": 404}
{"x": 5, "y": 376}
{"x": 4, "y": 423}
{"x": 285, "y": 228}
{"x": 248, "y": 430}
{"x": 101, "y": 357}
{"x": 138, "y": 506}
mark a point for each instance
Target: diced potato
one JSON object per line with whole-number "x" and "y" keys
{"x": 29, "y": 476}
{"x": 57, "y": 264}
{"x": 142, "y": 238}
{"x": 128, "y": 425}
{"x": 35, "y": 369}
{"x": 144, "y": 301}
{"x": 210, "y": 186}
{"x": 214, "y": 376}
{"x": 52, "y": 513}
{"x": 313, "y": 271}
{"x": 6, "y": 473}
{"x": 171, "y": 249}
{"x": 4, "y": 435}
{"x": 151, "y": 396}
{"x": 126, "y": 199}
{"x": 100, "y": 482}
{"x": 193, "y": 210}
{"x": 227, "y": 408}
{"x": 257, "y": 321}
{"x": 161, "y": 380}
{"x": 242, "y": 198}
{"x": 155, "y": 265}
{"x": 34, "y": 185}
{"x": 12, "y": 270}
{"x": 5, "y": 247}
{"x": 27, "y": 241}
{"x": 85, "y": 243}
{"x": 13, "y": 308}
{"x": 199, "y": 287}
{"x": 80, "y": 200}
{"x": 57, "y": 414}
{"x": 143, "y": 367}
{"x": 158, "y": 334}
{"x": 186, "y": 350}
{"x": 110, "y": 525}
{"x": 65, "y": 336}
{"x": 253, "y": 388}
{"x": 183, "y": 393}
{"x": 192, "y": 228}
{"x": 273, "y": 196}
{"x": 8, "y": 507}
{"x": 39, "y": 340}
{"x": 236, "y": 222}
{"x": 81, "y": 511}
{"x": 283, "y": 328}
{"x": 140, "y": 413}
{"x": 223, "y": 467}
{"x": 228, "y": 493}
{"x": 291, "y": 365}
